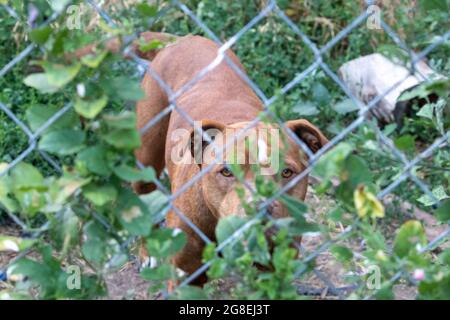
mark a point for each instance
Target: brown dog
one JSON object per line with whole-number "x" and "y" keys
{"x": 223, "y": 102}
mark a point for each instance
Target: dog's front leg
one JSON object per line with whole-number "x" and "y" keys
{"x": 189, "y": 259}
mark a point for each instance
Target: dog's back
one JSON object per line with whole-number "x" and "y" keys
{"x": 218, "y": 95}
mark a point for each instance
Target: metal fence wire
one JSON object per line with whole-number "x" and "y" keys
{"x": 364, "y": 109}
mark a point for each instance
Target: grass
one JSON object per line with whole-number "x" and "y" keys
{"x": 272, "y": 54}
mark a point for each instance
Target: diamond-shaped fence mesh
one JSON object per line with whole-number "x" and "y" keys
{"x": 270, "y": 8}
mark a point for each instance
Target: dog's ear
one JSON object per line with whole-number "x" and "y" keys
{"x": 308, "y": 133}
{"x": 198, "y": 142}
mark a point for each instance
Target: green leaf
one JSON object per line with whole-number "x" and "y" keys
{"x": 306, "y": 109}
{"x": 133, "y": 214}
{"x": 63, "y": 141}
{"x": 406, "y": 143}
{"x": 162, "y": 272}
{"x": 440, "y": 86}
{"x": 122, "y": 132}
{"x": 38, "y": 115}
{"x": 58, "y": 5}
{"x": 100, "y": 194}
{"x": 60, "y": 75}
{"x": 41, "y": 82}
{"x": 94, "y": 60}
{"x": 345, "y": 106}
{"x": 444, "y": 257}
{"x": 124, "y": 88}
{"x": 92, "y": 287}
{"x": 94, "y": 247}
{"x": 31, "y": 201}
{"x": 190, "y": 293}
{"x": 217, "y": 268}
{"x": 296, "y": 208}
{"x": 419, "y": 91}
{"x": 58, "y": 45}
{"x": 35, "y": 271}
{"x": 28, "y": 187}
{"x": 123, "y": 139}
{"x": 131, "y": 174}
{"x": 99, "y": 247}
{"x": 157, "y": 202}
{"x": 385, "y": 293}
{"x": 94, "y": 159}
{"x": 124, "y": 120}
{"x": 427, "y": 111}
{"x": 165, "y": 242}
{"x": 410, "y": 235}
{"x": 389, "y": 129}
{"x": 330, "y": 164}
{"x": 443, "y": 212}
{"x": 258, "y": 246}
{"x": 429, "y": 5}
{"x": 342, "y": 254}
{"x": 5, "y": 189}
{"x": 209, "y": 252}
{"x": 227, "y": 226}
{"x": 65, "y": 187}
{"x": 355, "y": 171}
{"x": 40, "y": 35}
{"x": 65, "y": 230}
{"x": 147, "y": 10}
{"x": 438, "y": 192}
{"x": 320, "y": 94}
{"x": 90, "y": 108}
{"x": 436, "y": 289}
{"x": 24, "y": 177}
{"x": 336, "y": 214}
{"x": 56, "y": 76}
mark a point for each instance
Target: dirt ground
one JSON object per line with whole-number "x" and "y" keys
{"x": 127, "y": 284}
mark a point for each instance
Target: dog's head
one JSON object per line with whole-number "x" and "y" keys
{"x": 265, "y": 150}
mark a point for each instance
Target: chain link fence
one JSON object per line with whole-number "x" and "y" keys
{"x": 271, "y": 8}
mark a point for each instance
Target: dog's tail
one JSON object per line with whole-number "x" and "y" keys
{"x": 146, "y": 47}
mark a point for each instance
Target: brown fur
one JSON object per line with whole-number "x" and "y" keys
{"x": 222, "y": 100}
{"x": 221, "y": 96}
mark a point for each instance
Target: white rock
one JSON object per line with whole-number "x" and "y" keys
{"x": 10, "y": 245}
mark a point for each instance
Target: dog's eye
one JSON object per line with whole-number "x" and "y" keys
{"x": 287, "y": 173}
{"x": 226, "y": 172}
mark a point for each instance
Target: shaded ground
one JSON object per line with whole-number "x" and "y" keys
{"x": 127, "y": 284}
